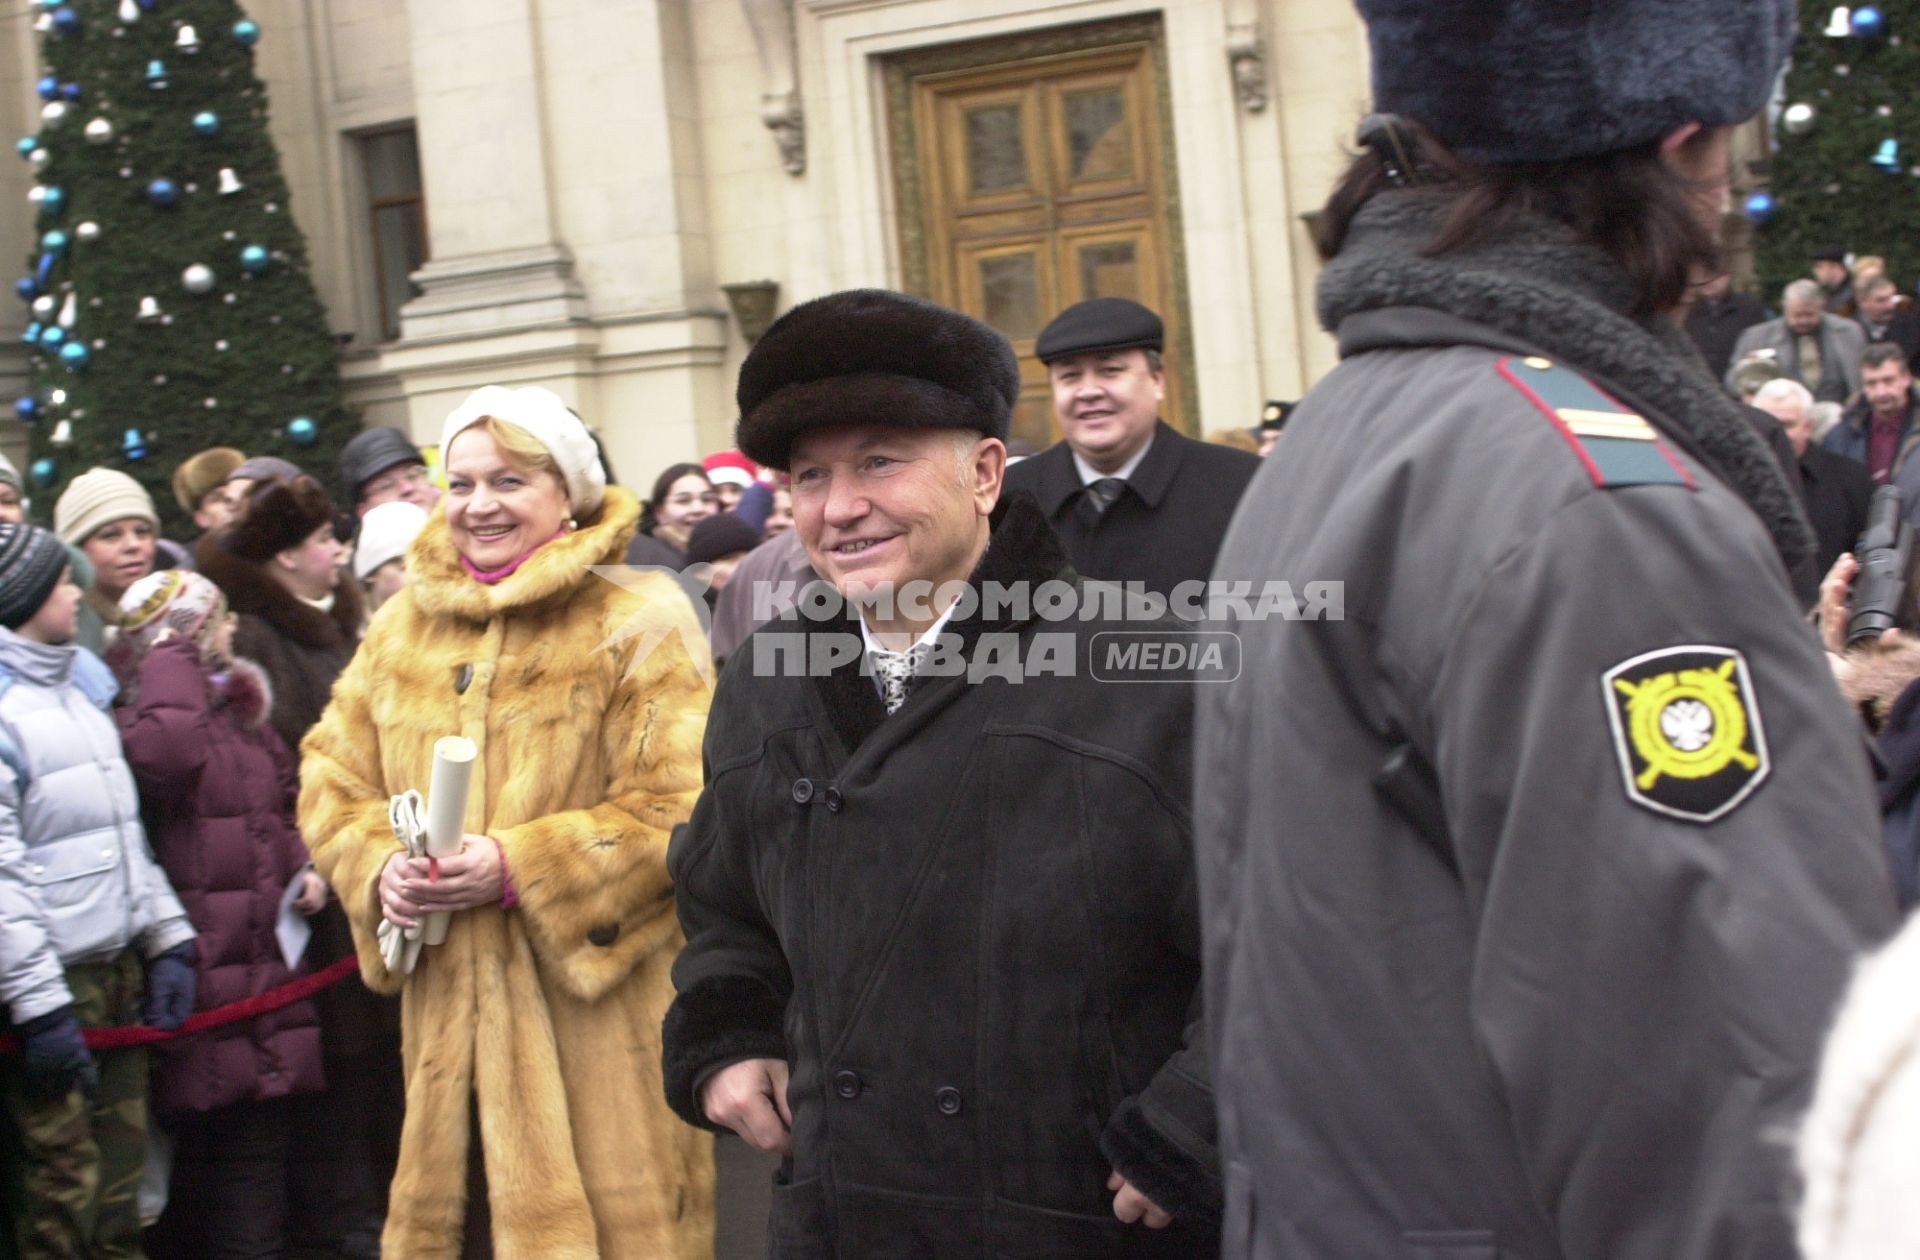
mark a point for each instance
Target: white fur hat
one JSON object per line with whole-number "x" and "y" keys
{"x": 386, "y": 532}
{"x": 541, "y": 413}
{"x": 1857, "y": 1145}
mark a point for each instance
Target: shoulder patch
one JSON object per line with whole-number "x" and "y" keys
{"x": 1687, "y": 731}
{"x": 1614, "y": 445}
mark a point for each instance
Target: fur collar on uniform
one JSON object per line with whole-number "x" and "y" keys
{"x": 1021, "y": 548}
{"x": 440, "y": 587}
{"x": 251, "y": 591}
{"x": 1571, "y": 301}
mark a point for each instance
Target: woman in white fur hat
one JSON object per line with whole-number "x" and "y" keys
{"x": 532, "y": 1034}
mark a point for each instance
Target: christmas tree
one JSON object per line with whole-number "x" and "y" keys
{"x": 1847, "y": 171}
{"x": 172, "y": 309}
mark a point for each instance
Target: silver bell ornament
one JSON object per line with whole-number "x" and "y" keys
{"x": 198, "y": 279}
{"x": 188, "y": 40}
{"x": 1798, "y": 118}
{"x": 62, "y": 435}
{"x": 129, "y": 13}
{"x": 229, "y": 182}
{"x": 149, "y": 312}
{"x": 87, "y": 233}
{"x": 98, "y": 131}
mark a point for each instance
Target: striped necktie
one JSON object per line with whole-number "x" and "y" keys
{"x": 1101, "y": 495}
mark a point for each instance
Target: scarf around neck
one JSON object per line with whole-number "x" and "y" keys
{"x": 1541, "y": 286}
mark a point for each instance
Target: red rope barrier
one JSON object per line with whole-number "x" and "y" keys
{"x": 233, "y": 1012}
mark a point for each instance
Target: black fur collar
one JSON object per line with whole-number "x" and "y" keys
{"x": 251, "y": 591}
{"x": 1022, "y": 548}
{"x": 1571, "y": 301}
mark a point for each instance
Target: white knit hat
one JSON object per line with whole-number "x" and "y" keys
{"x": 97, "y": 498}
{"x": 1857, "y": 1145}
{"x": 541, "y": 413}
{"x": 386, "y": 531}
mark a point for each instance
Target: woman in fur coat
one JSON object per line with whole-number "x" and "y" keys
{"x": 216, "y": 792}
{"x": 532, "y": 1036}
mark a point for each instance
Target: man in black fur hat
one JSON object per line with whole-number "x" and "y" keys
{"x": 1530, "y": 884}
{"x": 1132, "y": 499}
{"x": 938, "y": 894}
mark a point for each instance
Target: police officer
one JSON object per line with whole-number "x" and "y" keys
{"x": 1530, "y": 884}
{"x": 1133, "y": 500}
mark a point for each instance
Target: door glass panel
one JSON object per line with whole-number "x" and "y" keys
{"x": 996, "y": 150}
{"x": 1098, "y": 139}
{"x": 1111, "y": 269}
{"x": 1010, "y": 290}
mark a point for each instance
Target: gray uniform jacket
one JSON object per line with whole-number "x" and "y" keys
{"x": 1842, "y": 341}
{"x": 1559, "y": 993}
{"x": 77, "y": 880}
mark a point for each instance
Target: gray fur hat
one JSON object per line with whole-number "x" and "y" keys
{"x": 1500, "y": 81}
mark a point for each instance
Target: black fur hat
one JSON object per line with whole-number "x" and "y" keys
{"x": 1543, "y": 80}
{"x": 277, "y": 515}
{"x": 871, "y": 356}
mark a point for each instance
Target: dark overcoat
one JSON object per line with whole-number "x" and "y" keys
{"x": 1165, "y": 530}
{"x": 970, "y": 929}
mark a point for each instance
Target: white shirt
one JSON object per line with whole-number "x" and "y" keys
{"x": 1088, "y": 475}
{"x": 926, "y": 640}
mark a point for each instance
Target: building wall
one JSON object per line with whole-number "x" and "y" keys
{"x": 594, "y": 173}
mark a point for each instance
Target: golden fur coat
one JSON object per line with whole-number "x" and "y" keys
{"x": 547, "y": 1016}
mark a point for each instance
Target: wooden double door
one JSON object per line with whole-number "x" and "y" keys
{"x": 1045, "y": 182}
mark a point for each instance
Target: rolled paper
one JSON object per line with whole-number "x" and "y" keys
{"x": 453, "y": 758}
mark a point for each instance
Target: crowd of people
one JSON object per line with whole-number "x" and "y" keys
{"x": 1486, "y": 882}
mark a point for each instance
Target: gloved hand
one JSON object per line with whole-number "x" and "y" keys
{"x": 170, "y": 984}
{"x": 57, "y": 1058}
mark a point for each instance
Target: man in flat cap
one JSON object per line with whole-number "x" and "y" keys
{"x": 384, "y": 466}
{"x": 938, "y": 894}
{"x": 1531, "y": 883}
{"x": 1133, "y": 500}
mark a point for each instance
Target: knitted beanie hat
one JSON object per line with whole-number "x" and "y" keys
{"x": 31, "y": 562}
{"x": 386, "y": 532}
{"x": 97, "y": 498}
{"x": 9, "y": 475}
{"x": 551, "y": 423}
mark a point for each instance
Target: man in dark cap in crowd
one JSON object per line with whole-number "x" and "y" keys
{"x": 1133, "y": 500}
{"x": 1530, "y": 883}
{"x": 1829, "y": 264}
{"x": 940, "y": 927}
{"x": 383, "y": 465}
{"x": 1882, "y": 319}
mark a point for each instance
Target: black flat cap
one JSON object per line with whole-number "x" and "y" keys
{"x": 371, "y": 453}
{"x": 1829, "y": 253}
{"x": 872, "y": 356}
{"x": 1098, "y": 325}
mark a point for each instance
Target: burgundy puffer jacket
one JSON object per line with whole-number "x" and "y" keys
{"x": 217, "y": 793}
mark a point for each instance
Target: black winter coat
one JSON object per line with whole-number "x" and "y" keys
{"x": 970, "y": 927}
{"x": 1165, "y": 530}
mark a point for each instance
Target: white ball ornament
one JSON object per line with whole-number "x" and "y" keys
{"x": 98, "y": 131}
{"x": 1798, "y": 118}
{"x": 198, "y": 279}
{"x": 87, "y": 232}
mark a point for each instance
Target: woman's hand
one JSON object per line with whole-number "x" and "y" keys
{"x": 395, "y": 905}
{"x": 312, "y": 898}
{"x": 469, "y": 878}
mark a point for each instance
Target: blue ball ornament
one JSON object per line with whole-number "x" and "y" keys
{"x": 25, "y": 145}
{"x": 303, "y": 431}
{"x": 206, "y": 123}
{"x": 71, "y": 91}
{"x": 163, "y": 192}
{"x": 53, "y": 200}
{"x": 133, "y": 444}
{"x": 52, "y": 335}
{"x": 26, "y": 288}
{"x": 255, "y": 259}
{"x": 43, "y": 472}
{"x": 1761, "y": 207}
{"x": 246, "y": 32}
{"x": 1868, "y": 22}
{"x": 54, "y": 242}
{"x": 75, "y": 355}
{"x": 48, "y": 87}
{"x": 27, "y": 409}
{"x": 65, "y": 20}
